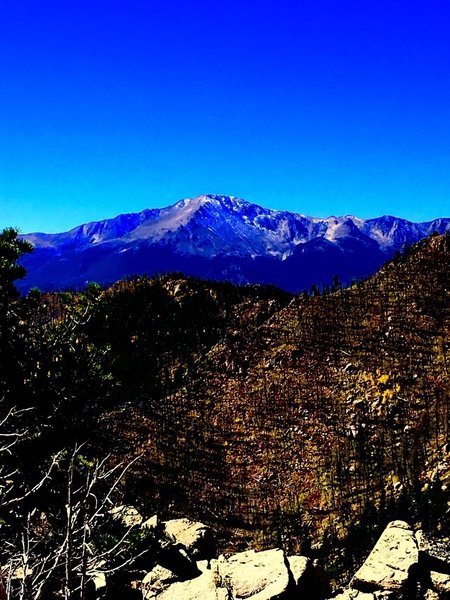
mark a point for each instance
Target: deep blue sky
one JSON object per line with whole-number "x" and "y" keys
{"x": 314, "y": 106}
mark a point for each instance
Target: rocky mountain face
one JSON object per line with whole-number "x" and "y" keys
{"x": 221, "y": 238}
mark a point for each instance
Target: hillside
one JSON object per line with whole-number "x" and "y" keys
{"x": 303, "y": 421}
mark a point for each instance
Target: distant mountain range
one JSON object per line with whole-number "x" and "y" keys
{"x": 222, "y": 238}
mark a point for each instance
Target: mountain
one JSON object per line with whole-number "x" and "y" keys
{"x": 222, "y": 238}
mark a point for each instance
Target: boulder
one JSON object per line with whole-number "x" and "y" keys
{"x": 310, "y": 581}
{"x": 357, "y": 595}
{"x": 354, "y": 595}
{"x": 391, "y": 563}
{"x": 157, "y": 581}
{"x": 161, "y": 584}
{"x": 441, "y": 583}
{"x": 250, "y": 575}
{"x": 255, "y": 575}
{"x": 197, "y": 538}
{"x": 431, "y": 551}
{"x": 299, "y": 566}
{"x": 174, "y": 558}
{"x": 96, "y": 586}
{"x": 150, "y": 523}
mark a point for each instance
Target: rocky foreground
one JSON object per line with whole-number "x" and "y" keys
{"x": 403, "y": 565}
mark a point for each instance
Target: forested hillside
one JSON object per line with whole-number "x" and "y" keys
{"x": 299, "y": 421}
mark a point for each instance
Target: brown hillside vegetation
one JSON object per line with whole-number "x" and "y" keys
{"x": 293, "y": 422}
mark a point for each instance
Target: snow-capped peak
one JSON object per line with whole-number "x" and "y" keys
{"x": 213, "y": 224}
{"x": 222, "y": 237}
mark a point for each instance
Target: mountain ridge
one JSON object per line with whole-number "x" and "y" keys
{"x": 212, "y": 235}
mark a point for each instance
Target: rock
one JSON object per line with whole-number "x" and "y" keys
{"x": 434, "y": 557}
{"x": 390, "y": 564}
{"x": 441, "y": 583}
{"x": 156, "y": 581}
{"x": 354, "y": 595}
{"x": 197, "y": 538}
{"x": 299, "y": 567}
{"x": 431, "y": 550}
{"x": 255, "y": 575}
{"x": 357, "y": 595}
{"x": 431, "y": 595}
{"x": 129, "y": 516}
{"x": 96, "y": 586}
{"x": 203, "y": 587}
{"x": 150, "y": 523}
{"x": 310, "y": 581}
{"x": 175, "y": 558}
{"x": 251, "y": 575}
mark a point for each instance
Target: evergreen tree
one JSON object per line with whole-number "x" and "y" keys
{"x": 12, "y": 248}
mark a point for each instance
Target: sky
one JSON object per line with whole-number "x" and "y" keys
{"x": 315, "y": 106}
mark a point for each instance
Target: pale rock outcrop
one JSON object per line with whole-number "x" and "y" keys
{"x": 392, "y": 561}
{"x": 97, "y": 585}
{"x": 354, "y": 595}
{"x": 299, "y": 567}
{"x": 309, "y": 579}
{"x": 431, "y": 595}
{"x": 434, "y": 558}
{"x": 150, "y": 523}
{"x": 357, "y": 595}
{"x": 175, "y": 558}
{"x": 156, "y": 581}
{"x": 197, "y": 538}
{"x": 251, "y": 575}
{"x": 255, "y": 575}
{"x": 403, "y": 565}
{"x": 431, "y": 550}
{"x": 128, "y": 516}
{"x": 163, "y": 585}
{"x": 441, "y": 583}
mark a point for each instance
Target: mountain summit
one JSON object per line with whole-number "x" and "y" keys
{"x": 221, "y": 237}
